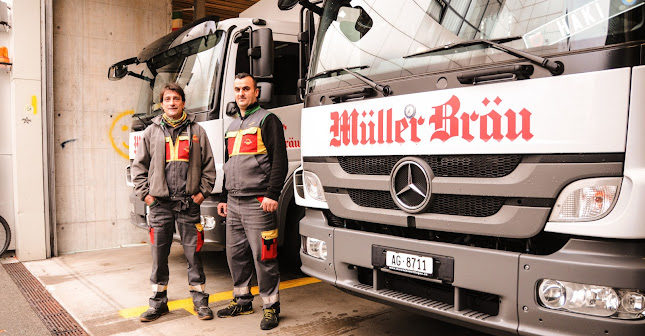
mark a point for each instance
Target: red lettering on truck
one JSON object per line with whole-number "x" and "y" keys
{"x": 447, "y": 121}
{"x": 136, "y": 140}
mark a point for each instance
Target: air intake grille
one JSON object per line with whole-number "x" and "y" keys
{"x": 486, "y": 166}
{"x": 459, "y": 205}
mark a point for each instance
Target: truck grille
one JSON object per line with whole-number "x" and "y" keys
{"x": 483, "y": 166}
{"x": 458, "y": 205}
{"x": 497, "y": 196}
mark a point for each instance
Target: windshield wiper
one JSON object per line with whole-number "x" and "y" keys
{"x": 141, "y": 76}
{"x": 384, "y": 89}
{"x": 555, "y": 67}
{"x": 141, "y": 120}
{"x": 339, "y": 71}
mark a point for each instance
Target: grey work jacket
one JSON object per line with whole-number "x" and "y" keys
{"x": 148, "y": 168}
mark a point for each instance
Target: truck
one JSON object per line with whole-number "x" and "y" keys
{"x": 479, "y": 162}
{"x": 203, "y": 58}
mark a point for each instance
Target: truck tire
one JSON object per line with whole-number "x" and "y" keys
{"x": 290, "y": 250}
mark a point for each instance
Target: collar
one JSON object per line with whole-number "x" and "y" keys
{"x": 174, "y": 122}
{"x": 159, "y": 119}
{"x": 250, "y": 110}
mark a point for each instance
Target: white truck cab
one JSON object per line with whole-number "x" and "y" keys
{"x": 480, "y": 162}
{"x": 203, "y": 58}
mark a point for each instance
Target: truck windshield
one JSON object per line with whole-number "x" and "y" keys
{"x": 378, "y": 34}
{"x": 193, "y": 65}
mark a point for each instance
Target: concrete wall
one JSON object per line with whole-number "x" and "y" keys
{"x": 92, "y": 116}
{"x": 27, "y": 121}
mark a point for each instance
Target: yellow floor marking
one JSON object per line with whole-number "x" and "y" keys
{"x": 187, "y": 304}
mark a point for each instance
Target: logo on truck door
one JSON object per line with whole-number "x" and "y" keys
{"x": 446, "y": 121}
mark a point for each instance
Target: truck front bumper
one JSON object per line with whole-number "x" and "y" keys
{"x": 508, "y": 277}
{"x": 214, "y": 239}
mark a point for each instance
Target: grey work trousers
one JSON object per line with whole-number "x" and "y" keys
{"x": 162, "y": 227}
{"x": 245, "y": 223}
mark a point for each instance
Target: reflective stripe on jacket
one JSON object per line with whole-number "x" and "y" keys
{"x": 245, "y": 142}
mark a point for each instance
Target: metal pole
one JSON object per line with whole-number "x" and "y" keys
{"x": 47, "y": 94}
{"x": 199, "y": 9}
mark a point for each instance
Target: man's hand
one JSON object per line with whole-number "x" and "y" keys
{"x": 198, "y": 198}
{"x": 149, "y": 200}
{"x": 221, "y": 209}
{"x": 269, "y": 205}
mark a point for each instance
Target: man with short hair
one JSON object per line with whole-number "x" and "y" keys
{"x": 254, "y": 174}
{"x": 173, "y": 172}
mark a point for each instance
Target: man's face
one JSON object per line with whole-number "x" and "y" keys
{"x": 172, "y": 104}
{"x": 245, "y": 92}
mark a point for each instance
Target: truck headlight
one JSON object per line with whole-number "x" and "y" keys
{"x": 632, "y": 302}
{"x": 591, "y": 299}
{"x": 208, "y": 222}
{"x": 308, "y": 190}
{"x": 315, "y": 248}
{"x": 586, "y": 200}
{"x": 128, "y": 176}
{"x": 313, "y": 186}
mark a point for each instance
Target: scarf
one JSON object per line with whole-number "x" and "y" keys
{"x": 175, "y": 122}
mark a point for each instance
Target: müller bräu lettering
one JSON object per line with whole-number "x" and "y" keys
{"x": 445, "y": 122}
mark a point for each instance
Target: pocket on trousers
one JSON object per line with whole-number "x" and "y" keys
{"x": 269, "y": 244}
{"x": 200, "y": 236}
{"x": 151, "y": 232}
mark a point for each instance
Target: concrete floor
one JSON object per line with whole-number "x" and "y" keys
{"x": 106, "y": 290}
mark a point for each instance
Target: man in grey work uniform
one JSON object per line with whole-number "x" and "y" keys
{"x": 254, "y": 174}
{"x": 173, "y": 172}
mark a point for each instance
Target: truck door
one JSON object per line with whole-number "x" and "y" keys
{"x": 278, "y": 91}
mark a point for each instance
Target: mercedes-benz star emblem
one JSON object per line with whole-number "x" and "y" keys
{"x": 411, "y": 185}
{"x": 409, "y": 111}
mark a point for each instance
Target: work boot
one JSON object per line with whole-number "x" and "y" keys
{"x": 235, "y": 309}
{"x": 153, "y": 313}
{"x": 270, "y": 318}
{"x": 204, "y": 313}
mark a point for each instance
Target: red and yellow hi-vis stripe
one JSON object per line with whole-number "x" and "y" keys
{"x": 245, "y": 142}
{"x": 177, "y": 151}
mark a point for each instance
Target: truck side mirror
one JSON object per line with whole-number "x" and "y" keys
{"x": 305, "y": 42}
{"x": 120, "y": 69}
{"x": 231, "y": 109}
{"x": 287, "y": 4}
{"x": 302, "y": 85}
{"x": 354, "y": 22}
{"x": 261, "y": 53}
{"x": 266, "y": 91}
{"x": 117, "y": 72}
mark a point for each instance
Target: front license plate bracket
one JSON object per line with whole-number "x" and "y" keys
{"x": 443, "y": 266}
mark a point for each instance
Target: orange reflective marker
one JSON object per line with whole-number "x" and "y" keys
{"x": 4, "y": 55}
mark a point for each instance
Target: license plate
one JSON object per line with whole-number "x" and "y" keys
{"x": 408, "y": 263}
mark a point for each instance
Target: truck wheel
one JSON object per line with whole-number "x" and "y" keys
{"x": 290, "y": 250}
{"x": 5, "y": 235}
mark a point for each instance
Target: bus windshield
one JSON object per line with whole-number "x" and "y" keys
{"x": 379, "y": 36}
